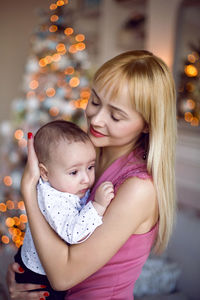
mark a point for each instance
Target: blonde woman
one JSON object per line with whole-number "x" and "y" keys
{"x": 131, "y": 119}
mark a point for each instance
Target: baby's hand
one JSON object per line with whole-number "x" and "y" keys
{"x": 104, "y": 194}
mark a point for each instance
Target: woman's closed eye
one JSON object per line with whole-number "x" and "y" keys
{"x": 115, "y": 118}
{"x": 95, "y": 102}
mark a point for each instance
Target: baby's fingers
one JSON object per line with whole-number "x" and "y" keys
{"x": 110, "y": 196}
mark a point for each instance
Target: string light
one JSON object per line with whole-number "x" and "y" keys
{"x": 3, "y": 207}
{"x": 80, "y": 37}
{"x": 80, "y": 46}
{"x": 60, "y": 3}
{"x": 42, "y": 62}
{"x": 48, "y": 59}
{"x": 53, "y": 28}
{"x": 18, "y": 134}
{"x": 7, "y": 180}
{"x": 85, "y": 93}
{"x": 191, "y": 58}
{"x": 56, "y": 57}
{"x": 22, "y": 143}
{"x": 53, "y": 6}
{"x": 54, "y": 18}
{"x": 50, "y": 92}
{"x": 69, "y": 71}
{"x": 9, "y": 222}
{"x": 34, "y": 84}
{"x": 61, "y": 47}
{"x": 30, "y": 94}
{"x": 191, "y": 71}
{"x": 16, "y": 220}
{"x": 72, "y": 49}
{"x": 74, "y": 81}
{"x": 190, "y": 104}
{"x": 21, "y": 205}
{"x": 23, "y": 218}
{"x": 10, "y": 204}
{"x": 54, "y": 111}
{"x": 188, "y": 117}
{"x": 68, "y": 31}
{"x": 195, "y": 122}
{"x": 5, "y": 239}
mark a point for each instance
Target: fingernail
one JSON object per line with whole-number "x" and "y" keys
{"x": 43, "y": 286}
{"x": 30, "y": 135}
{"x": 46, "y": 294}
{"x": 21, "y": 269}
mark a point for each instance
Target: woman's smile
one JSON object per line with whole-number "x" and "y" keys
{"x": 95, "y": 133}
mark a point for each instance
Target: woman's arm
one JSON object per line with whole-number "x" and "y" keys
{"x": 127, "y": 214}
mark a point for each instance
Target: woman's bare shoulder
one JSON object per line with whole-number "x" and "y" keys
{"x": 141, "y": 189}
{"x": 138, "y": 197}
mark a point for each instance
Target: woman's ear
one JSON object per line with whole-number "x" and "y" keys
{"x": 146, "y": 129}
{"x": 43, "y": 172}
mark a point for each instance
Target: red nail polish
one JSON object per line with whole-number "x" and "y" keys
{"x": 30, "y": 135}
{"x": 43, "y": 286}
{"x": 46, "y": 294}
{"x": 21, "y": 269}
{"x": 42, "y": 299}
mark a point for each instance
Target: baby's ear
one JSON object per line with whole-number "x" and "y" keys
{"x": 43, "y": 172}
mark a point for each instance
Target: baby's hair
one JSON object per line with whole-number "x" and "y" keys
{"x": 50, "y": 134}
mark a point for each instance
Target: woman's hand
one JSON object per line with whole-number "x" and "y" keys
{"x": 21, "y": 291}
{"x": 31, "y": 173}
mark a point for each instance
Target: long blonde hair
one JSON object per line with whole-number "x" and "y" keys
{"x": 152, "y": 92}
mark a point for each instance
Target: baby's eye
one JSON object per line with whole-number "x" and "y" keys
{"x": 91, "y": 167}
{"x": 73, "y": 173}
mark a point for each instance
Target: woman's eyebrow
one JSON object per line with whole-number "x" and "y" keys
{"x": 111, "y": 105}
{"x": 118, "y": 109}
{"x": 95, "y": 93}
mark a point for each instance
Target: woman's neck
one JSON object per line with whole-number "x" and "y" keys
{"x": 107, "y": 155}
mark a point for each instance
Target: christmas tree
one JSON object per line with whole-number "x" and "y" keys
{"x": 189, "y": 90}
{"x": 55, "y": 86}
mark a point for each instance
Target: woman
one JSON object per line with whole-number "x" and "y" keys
{"x": 132, "y": 121}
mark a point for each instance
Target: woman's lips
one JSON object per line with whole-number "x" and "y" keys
{"x": 95, "y": 133}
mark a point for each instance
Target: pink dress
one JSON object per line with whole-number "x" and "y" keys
{"x": 116, "y": 279}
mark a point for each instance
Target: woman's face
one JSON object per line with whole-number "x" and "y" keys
{"x": 113, "y": 123}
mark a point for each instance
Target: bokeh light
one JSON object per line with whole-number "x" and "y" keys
{"x": 80, "y": 37}
{"x": 74, "y": 81}
{"x": 34, "y": 84}
{"x": 68, "y": 31}
{"x": 191, "y": 71}
{"x": 3, "y": 207}
{"x": 7, "y": 180}
{"x": 10, "y": 222}
{"x": 54, "y": 111}
{"x": 50, "y": 92}
{"x": 53, "y": 28}
{"x": 18, "y": 134}
{"x": 5, "y": 239}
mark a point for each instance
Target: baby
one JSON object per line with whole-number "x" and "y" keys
{"x": 67, "y": 167}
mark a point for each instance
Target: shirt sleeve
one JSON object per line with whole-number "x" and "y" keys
{"x": 64, "y": 214}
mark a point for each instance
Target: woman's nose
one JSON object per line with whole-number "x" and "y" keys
{"x": 98, "y": 119}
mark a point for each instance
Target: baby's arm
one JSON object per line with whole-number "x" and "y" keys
{"x": 64, "y": 214}
{"x": 104, "y": 194}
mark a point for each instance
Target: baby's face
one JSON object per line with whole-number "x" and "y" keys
{"x": 72, "y": 167}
